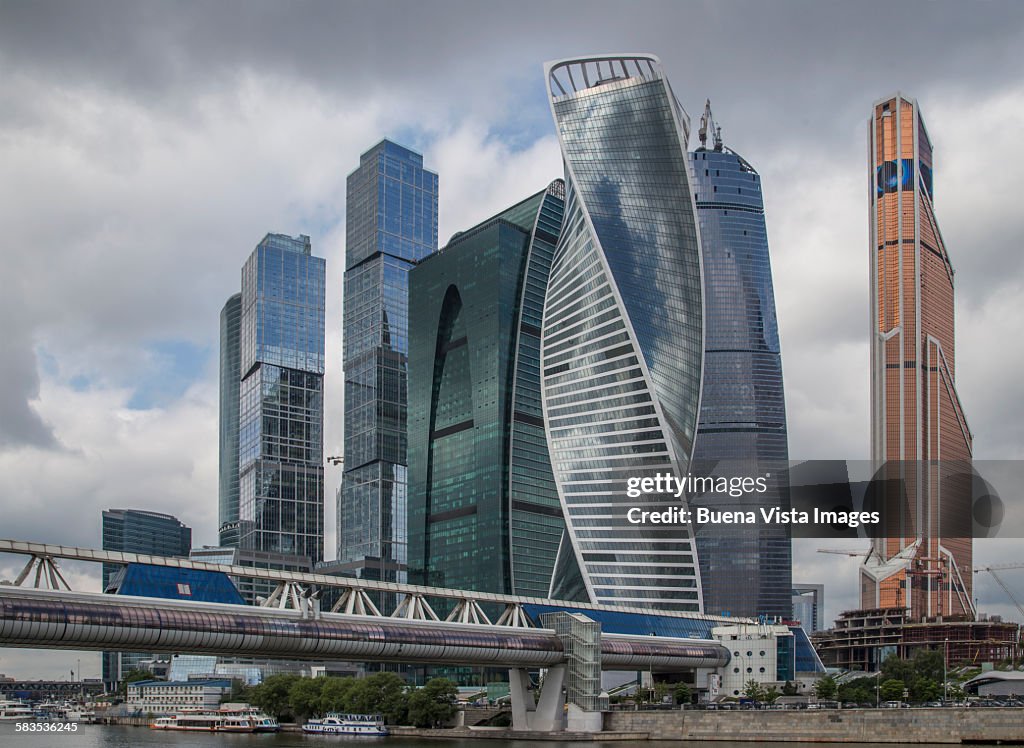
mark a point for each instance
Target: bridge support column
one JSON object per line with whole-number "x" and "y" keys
{"x": 547, "y": 715}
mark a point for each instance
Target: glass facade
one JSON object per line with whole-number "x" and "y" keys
{"x": 137, "y": 531}
{"x": 919, "y": 433}
{"x": 746, "y": 570}
{"x": 484, "y": 512}
{"x": 281, "y": 474}
{"x": 623, "y": 328}
{"x": 391, "y": 225}
{"x": 230, "y": 379}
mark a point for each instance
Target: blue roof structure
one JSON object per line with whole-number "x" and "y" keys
{"x": 637, "y": 624}
{"x": 143, "y": 580}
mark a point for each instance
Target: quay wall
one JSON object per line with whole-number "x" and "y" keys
{"x": 945, "y": 725}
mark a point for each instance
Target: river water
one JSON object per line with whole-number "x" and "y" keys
{"x": 103, "y": 736}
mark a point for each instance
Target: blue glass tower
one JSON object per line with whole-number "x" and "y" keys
{"x": 391, "y": 225}
{"x": 745, "y": 569}
{"x": 230, "y": 380}
{"x": 622, "y": 337}
{"x": 281, "y": 472}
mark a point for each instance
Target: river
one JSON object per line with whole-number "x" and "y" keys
{"x": 103, "y": 736}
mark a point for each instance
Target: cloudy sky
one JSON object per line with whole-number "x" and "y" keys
{"x": 145, "y": 148}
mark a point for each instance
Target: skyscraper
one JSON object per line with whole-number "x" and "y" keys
{"x": 138, "y": 531}
{"x": 920, "y": 439}
{"x": 484, "y": 512}
{"x": 391, "y": 213}
{"x": 622, "y": 339}
{"x": 230, "y": 379}
{"x": 745, "y": 570}
{"x": 281, "y": 472}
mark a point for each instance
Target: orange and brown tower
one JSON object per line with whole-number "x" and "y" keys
{"x": 920, "y": 440}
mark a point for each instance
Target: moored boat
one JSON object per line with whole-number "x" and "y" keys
{"x": 204, "y": 722}
{"x": 15, "y": 711}
{"x": 363, "y": 725}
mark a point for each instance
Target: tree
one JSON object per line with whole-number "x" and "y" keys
{"x": 239, "y": 692}
{"x": 133, "y": 676}
{"x": 273, "y": 695}
{"x": 925, "y": 689}
{"x": 891, "y": 690}
{"x": 825, "y": 689}
{"x": 334, "y": 694}
{"x": 381, "y": 693}
{"x": 433, "y": 704}
{"x": 860, "y": 690}
{"x": 789, "y": 689}
{"x": 753, "y": 690}
{"x": 304, "y": 697}
{"x": 682, "y": 693}
{"x": 771, "y": 694}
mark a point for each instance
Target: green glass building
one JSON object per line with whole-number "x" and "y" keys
{"x": 484, "y": 512}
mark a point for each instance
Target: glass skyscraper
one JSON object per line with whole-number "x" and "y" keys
{"x": 622, "y": 331}
{"x": 919, "y": 433}
{"x": 746, "y": 570}
{"x": 230, "y": 379}
{"x": 391, "y": 225}
{"x": 138, "y": 531}
{"x": 281, "y": 473}
{"x": 484, "y": 512}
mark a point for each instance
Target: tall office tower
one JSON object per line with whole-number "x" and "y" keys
{"x": 281, "y": 470}
{"x": 918, "y": 429}
{"x": 138, "y": 531}
{"x": 745, "y": 570}
{"x": 623, "y": 331}
{"x": 230, "y": 379}
{"x": 392, "y": 224}
{"x": 484, "y": 512}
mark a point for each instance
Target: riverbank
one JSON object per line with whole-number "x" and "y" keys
{"x": 947, "y": 725}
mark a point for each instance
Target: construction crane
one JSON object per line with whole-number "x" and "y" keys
{"x": 1004, "y": 567}
{"x": 842, "y": 553}
{"x": 708, "y": 123}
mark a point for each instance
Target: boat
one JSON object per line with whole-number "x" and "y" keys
{"x": 364, "y": 725}
{"x": 260, "y": 721}
{"x": 80, "y": 715}
{"x": 204, "y": 722}
{"x": 16, "y": 711}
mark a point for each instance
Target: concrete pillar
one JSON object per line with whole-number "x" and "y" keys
{"x": 522, "y": 698}
{"x": 545, "y": 716}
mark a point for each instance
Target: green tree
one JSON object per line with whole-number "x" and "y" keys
{"x": 381, "y": 693}
{"x": 133, "y": 676}
{"x": 771, "y": 694}
{"x": 861, "y": 690}
{"x": 334, "y": 695}
{"x": 956, "y": 691}
{"x": 825, "y": 688}
{"x": 239, "y": 692}
{"x": 433, "y": 704}
{"x": 682, "y": 693}
{"x": 925, "y": 689}
{"x": 789, "y": 689}
{"x": 753, "y": 690}
{"x": 273, "y": 695}
{"x": 304, "y": 697}
{"x": 891, "y": 690}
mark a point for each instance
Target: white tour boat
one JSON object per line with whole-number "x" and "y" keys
{"x": 364, "y": 725}
{"x": 15, "y": 711}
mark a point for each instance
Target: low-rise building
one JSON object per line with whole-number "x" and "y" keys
{"x": 167, "y": 697}
{"x": 761, "y": 652}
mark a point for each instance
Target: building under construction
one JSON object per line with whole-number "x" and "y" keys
{"x": 862, "y": 639}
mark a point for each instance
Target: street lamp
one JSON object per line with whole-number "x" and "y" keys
{"x": 945, "y": 670}
{"x": 878, "y": 677}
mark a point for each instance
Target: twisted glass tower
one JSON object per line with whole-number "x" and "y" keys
{"x": 622, "y": 340}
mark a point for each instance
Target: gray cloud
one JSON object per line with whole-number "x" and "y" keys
{"x": 146, "y": 147}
